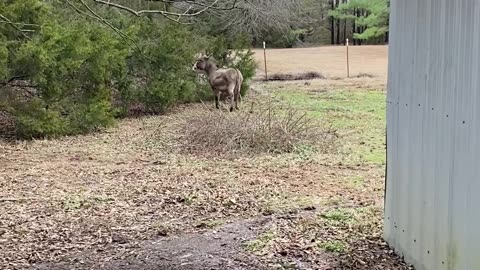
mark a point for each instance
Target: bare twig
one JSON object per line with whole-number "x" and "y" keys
{"x": 14, "y": 25}
{"x": 192, "y": 2}
{"x": 17, "y": 199}
{"x": 21, "y": 24}
{"x": 267, "y": 128}
{"x": 95, "y": 16}
{"x": 166, "y": 14}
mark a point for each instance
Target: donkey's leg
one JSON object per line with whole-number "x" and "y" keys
{"x": 231, "y": 94}
{"x": 232, "y": 103}
{"x": 236, "y": 101}
{"x": 239, "y": 88}
{"x": 236, "y": 96}
{"x": 217, "y": 98}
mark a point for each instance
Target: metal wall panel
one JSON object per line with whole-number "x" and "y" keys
{"x": 432, "y": 206}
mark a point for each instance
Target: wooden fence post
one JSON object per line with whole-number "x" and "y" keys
{"x": 265, "y": 59}
{"x": 348, "y": 62}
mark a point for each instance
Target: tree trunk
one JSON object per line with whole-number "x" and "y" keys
{"x": 388, "y": 23}
{"x": 332, "y": 24}
{"x": 338, "y": 25}
{"x": 359, "y": 28}
{"x": 354, "y": 28}
{"x": 344, "y": 28}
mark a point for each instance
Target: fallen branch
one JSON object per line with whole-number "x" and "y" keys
{"x": 14, "y": 78}
{"x": 17, "y": 199}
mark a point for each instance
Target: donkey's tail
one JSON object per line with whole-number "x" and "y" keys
{"x": 238, "y": 85}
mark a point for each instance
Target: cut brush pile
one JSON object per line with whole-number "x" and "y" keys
{"x": 267, "y": 127}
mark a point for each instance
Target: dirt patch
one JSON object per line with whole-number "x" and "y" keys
{"x": 214, "y": 249}
{"x": 286, "y": 241}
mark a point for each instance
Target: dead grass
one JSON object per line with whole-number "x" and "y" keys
{"x": 106, "y": 193}
{"x": 265, "y": 127}
{"x": 296, "y": 77}
{"x": 328, "y": 60}
{"x": 364, "y": 75}
{"x": 352, "y": 237}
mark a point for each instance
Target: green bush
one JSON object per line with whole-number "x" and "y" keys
{"x": 35, "y": 119}
{"x": 73, "y": 68}
{"x": 85, "y": 74}
{"x": 3, "y": 61}
{"x": 169, "y": 50}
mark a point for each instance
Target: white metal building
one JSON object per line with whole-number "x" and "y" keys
{"x": 432, "y": 207}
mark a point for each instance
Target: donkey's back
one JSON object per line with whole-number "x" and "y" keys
{"x": 224, "y": 82}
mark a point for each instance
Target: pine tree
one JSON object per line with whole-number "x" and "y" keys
{"x": 370, "y": 16}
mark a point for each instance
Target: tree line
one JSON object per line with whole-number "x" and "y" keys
{"x": 367, "y": 19}
{"x": 331, "y": 22}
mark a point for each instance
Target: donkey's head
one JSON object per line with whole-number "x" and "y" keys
{"x": 203, "y": 64}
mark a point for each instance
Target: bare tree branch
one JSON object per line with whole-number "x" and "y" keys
{"x": 15, "y": 25}
{"x": 153, "y": 11}
{"x": 233, "y": 6}
{"x": 193, "y": 2}
{"x": 95, "y": 16}
{"x": 259, "y": 16}
{"x": 21, "y": 24}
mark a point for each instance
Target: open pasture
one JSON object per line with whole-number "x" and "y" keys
{"x": 329, "y": 60}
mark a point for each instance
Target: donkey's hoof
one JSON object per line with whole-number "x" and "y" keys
{"x": 231, "y": 109}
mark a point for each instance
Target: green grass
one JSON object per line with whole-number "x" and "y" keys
{"x": 338, "y": 217}
{"x": 358, "y": 115}
{"x": 262, "y": 242}
{"x": 73, "y": 202}
{"x": 333, "y": 246}
{"x": 356, "y": 181}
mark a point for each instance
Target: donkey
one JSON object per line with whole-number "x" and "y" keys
{"x": 224, "y": 82}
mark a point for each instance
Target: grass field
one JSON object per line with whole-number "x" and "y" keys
{"x": 132, "y": 197}
{"x": 330, "y": 61}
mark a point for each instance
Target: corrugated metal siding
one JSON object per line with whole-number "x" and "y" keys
{"x": 432, "y": 207}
